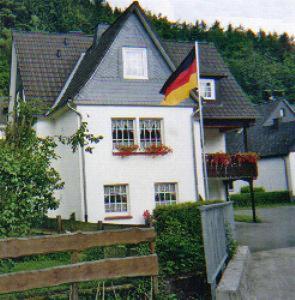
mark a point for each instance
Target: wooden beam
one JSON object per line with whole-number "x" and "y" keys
{"x": 17, "y": 247}
{"x": 97, "y": 270}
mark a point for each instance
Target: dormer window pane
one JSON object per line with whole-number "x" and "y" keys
{"x": 134, "y": 63}
{"x": 208, "y": 89}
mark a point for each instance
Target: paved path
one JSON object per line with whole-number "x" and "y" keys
{"x": 272, "y": 274}
{"x": 276, "y": 231}
{"x": 272, "y": 243}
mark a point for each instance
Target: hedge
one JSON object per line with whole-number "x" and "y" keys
{"x": 246, "y": 189}
{"x": 179, "y": 242}
{"x": 261, "y": 198}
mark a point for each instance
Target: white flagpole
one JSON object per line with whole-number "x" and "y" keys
{"x": 201, "y": 123}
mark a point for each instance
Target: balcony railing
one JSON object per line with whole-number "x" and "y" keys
{"x": 235, "y": 166}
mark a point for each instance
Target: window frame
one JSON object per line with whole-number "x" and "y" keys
{"x": 157, "y": 203}
{"x": 213, "y": 88}
{"x": 125, "y": 212}
{"x": 114, "y": 145}
{"x": 160, "y": 120}
{"x": 145, "y": 63}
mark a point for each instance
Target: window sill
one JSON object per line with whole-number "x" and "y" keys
{"x": 124, "y": 154}
{"x": 118, "y": 218}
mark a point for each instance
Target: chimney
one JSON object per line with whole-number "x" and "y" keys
{"x": 99, "y": 30}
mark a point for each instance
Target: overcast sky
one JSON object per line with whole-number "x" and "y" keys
{"x": 270, "y": 15}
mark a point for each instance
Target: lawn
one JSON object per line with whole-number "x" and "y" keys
{"x": 246, "y": 218}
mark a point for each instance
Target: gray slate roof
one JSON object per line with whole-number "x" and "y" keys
{"x": 265, "y": 140}
{"x": 44, "y": 74}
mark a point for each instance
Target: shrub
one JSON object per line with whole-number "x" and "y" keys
{"x": 179, "y": 242}
{"x": 246, "y": 189}
{"x": 261, "y": 198}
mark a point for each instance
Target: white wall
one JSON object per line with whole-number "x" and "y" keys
{"x": 290, "y": 163}
{"x": 271, "y": 175}
{"x": 139, "y": 172}
{"x": 214, "y": 140}
{"x": 68, "y": 165}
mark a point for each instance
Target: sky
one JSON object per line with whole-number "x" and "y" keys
{"x": 270, "y": 15}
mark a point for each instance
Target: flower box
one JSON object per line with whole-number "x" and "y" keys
{"x": 153, "y": 150}
{"x": 239, "y": 165}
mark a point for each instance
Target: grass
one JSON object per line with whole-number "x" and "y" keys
{"x": 246, "y": 219}
{"x": 272, "y": 205}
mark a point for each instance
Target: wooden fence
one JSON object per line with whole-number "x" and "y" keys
{"x": 79, "y": 272}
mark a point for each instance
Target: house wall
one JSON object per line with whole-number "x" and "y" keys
{"x": 290, "y": 163}
{"x": 107, "y": 84}
{"x": 139, "y": 172}
{"x": 215, "y": 142}
{"x": 271, "y": 175}
{"x": 68, "y": 164}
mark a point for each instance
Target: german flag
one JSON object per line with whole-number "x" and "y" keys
{"x": 178, "y": 86}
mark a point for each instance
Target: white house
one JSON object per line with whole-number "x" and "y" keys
{"x": 273, "y": 138}
{"x": 112, "y": 82}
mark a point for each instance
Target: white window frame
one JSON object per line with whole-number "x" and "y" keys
{"x": 118, "y": 204}
{"x": 166, "y": 193}
{"x": 128, "y": 141}
{"x": 147, "y": 142}
{"x": 204, "y": 81}
{"x": 128, "y": 51}
{"x": 282, "y": 112}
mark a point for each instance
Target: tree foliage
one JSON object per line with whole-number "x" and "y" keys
{"x": 28, "y": 179}
{"x": 260, "y": 61}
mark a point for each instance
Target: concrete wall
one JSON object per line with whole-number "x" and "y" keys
{"x": 139, "y": 172}
{"x": 68, "y": 165}
{"x": 271, "y": 175}
{"x": 290, "y": 164}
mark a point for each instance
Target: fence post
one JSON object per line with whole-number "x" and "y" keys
{"x": 59, "y": 224}
{"x": 74, "y": 294}
{"x": 154, "y": 281}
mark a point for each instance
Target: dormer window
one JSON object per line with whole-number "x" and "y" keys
{"x": 208, "y": 89}
{"x": 134, "y": 63}
{"x": 282, "y": 112}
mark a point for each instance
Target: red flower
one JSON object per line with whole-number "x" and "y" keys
{"x": 158, "y": 149}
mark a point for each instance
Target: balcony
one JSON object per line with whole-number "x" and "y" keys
{"x": 232, "y": 166}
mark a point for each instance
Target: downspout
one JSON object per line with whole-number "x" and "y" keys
{"x": 82, "y": 165}
{"x": 194, "y": 156}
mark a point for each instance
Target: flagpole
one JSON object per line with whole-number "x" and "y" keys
{"x": 201, "y": 123}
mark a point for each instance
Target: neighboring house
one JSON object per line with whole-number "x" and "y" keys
{"x": 273, "y": 138}
{"x": 112, "y": 81}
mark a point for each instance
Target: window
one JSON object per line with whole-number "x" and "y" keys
{"x": 115, "y": 198}
{"x": 165, "y": 193}
{"x": 207, "y": 89}
{"x": 282, "y": 112}
{"x": 150, "y": 132}
{"x": 122, "y": 132}
{"x": 135, "y": 63}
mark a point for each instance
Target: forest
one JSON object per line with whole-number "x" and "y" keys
{"x": 262, "y": 62}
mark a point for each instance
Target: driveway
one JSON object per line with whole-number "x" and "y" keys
{"x": 277, "y": 229}
{"x": 272, "y": 274}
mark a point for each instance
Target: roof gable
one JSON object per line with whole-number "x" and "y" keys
{"x": 95, "y": 54}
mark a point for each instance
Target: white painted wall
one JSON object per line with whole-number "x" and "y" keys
{"x": 68, "y": 165}
{"x": 290, "y": 163}
{"x": 13, "y": 73}
{"x": 139, "y": 172}
{"x": 271, "y": 175}
{"x": 215, "y": 142}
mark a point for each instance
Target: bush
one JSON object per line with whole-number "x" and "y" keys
{"x": 179, "y": 242}
{"x": 261, "y": 198}
{"x": 246, "y": 189}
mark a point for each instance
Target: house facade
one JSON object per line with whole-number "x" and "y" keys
{"x": 112, "y": 82}
{"x": 273, "y": 139}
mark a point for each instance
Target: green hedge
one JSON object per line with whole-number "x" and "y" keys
{"x": 246, "y": 189}
{"x": 179, "y": 242}
{"x": 261, "y": 198}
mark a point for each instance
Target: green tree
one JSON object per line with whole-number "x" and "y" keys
{"x": 28, "y": 180}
